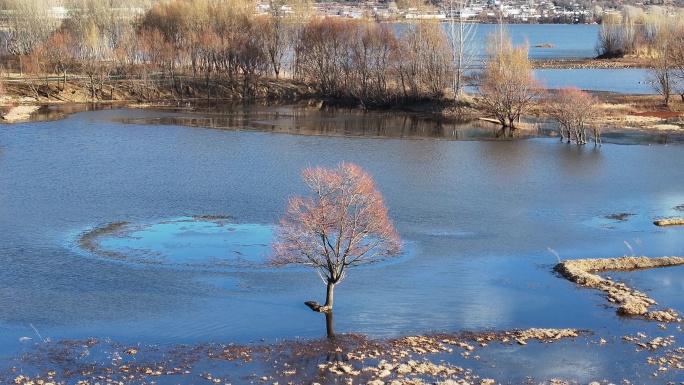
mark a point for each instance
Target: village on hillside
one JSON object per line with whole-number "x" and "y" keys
{"x": 529, "y": 11}
{"x": 483, "y": 11}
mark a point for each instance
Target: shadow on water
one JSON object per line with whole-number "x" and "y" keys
{"x": 329, "y": 121}
{"x": 335, "y": 122}
{"x": 351, "y": 122}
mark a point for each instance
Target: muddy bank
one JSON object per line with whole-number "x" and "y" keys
{"x": 619, "y": 113}
{"x": 29, "y": 94}
{"x": 630, "y": 302}
{"x": 618, "y": 63}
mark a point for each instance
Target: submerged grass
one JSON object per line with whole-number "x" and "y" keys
{"x": 89, "y": 239}
{"x": 619, "y": 216}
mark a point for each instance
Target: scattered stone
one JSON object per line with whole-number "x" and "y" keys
{"x": 545, "y": 335}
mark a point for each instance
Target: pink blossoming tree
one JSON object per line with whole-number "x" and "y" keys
{"x": 343, "y": 223}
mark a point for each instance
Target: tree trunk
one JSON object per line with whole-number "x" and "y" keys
{"x": 329, "y": 296}
{"x": 328, "y": 306}
{"x": 329, "y": 327}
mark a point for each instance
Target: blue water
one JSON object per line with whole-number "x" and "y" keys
{"x": 626, "y": 80}
{"x": 482, "y": 215}
{"x": 479, "y": 217}
{"x": 479, "y": 220}
{"x": 189, "y": 242}
{"x": 569, "y": 41}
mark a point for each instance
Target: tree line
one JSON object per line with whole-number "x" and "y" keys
{"x": 213, "y": 40}
{"x": 185, "y": 44}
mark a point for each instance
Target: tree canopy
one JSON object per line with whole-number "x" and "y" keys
{"x": 343, "y": 223}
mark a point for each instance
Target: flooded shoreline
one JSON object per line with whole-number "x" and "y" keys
{"x": 479, "y": 216}
{"x": 466, "y": 358}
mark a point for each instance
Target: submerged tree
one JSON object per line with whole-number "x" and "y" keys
{"x": 507, "y": 83}
{"x": 575, "y": 111}
{"x": 343, "y": 224}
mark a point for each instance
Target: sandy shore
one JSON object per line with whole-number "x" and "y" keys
{"x": 19, "y": 113}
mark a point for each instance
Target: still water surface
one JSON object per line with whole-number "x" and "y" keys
{"x": 478, "y": 216}
{"x": 568, "y": 42}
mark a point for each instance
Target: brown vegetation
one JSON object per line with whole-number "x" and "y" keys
{"x": 575, "y": 111}
{"x": 219, "y": 48}
{"x": 656, "y": 36}
{"x": 630, "y": 302}
{"x": 670, "y": 222}
{"x": 199, "y": 49}
{"x": 507, "y": 84}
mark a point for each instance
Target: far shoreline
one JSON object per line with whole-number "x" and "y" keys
{"x": 622, "y": 113}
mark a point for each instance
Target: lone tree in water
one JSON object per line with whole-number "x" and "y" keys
{"x": 344, "y": 223}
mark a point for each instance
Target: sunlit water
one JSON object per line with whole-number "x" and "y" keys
{"x": 480, "y": 215}
{"x": 479, "y": 219}
{"x": 567, "y": 42}
{"x": 187, "y": 242}
{"x": 546, "y": 41}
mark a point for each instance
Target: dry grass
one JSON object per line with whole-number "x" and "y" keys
{"x": 631, "y": 302}
{"x": 669, "y": 222}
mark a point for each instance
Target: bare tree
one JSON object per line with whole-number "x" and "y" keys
{"x": 323, "y": 52}
{"x": 343, "y": 224}
{"x": 675, "y": 56}
{"x": 275, "y": 35}
{"x": 113, "y": 19}
{"x": 372, "y": 57}
{"x": 30, "y": 23}
{"x": 575, "y": 111}
{"x": 462, "y": 49}
{"x": 632, "y": 27}
{"x": 612, "y": 40}
{"x": 507, "y": 83}
{"x": 426, "y": 60}
{"x": 661, "y": 75}
{"x": 59, "y": 52}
